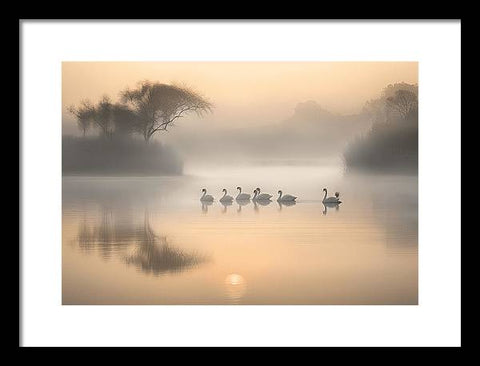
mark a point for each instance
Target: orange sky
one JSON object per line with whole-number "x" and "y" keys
{"x": 244, "y": 92}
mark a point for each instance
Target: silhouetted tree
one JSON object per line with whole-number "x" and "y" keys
{"x": 389, "y": 145}
{"x": 403, "y": 102}
{"x": 103, "y": 116}
{"x": 157, "y": 106}
{"x": 108, "y": 117}
{"x": 100, "y": 116}
{"x": 124, "y": 119}
{"x": 378, "y": 109}
{"x": 84, "y": 114}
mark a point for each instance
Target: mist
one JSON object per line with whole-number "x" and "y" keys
{"x": 261, "y": 113}
{"x": 240, "y": 183}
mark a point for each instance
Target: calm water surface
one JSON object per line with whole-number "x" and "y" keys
{"x": 149, "y": 240}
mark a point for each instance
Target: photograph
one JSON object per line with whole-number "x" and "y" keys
{"x": 239, "y": 182}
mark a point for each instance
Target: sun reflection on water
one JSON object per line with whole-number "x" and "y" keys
{"x": 235, "y": 287}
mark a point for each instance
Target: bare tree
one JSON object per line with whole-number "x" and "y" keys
{"x": 84, "y": 114}
{"x": 100, "y": 116}
{"x": 404, "y": 102}
{"x": 379, "y": 109}
{"x": 124, "y": 119}
{"x": 158, "y": 106}
{"x": 103, "y": 116}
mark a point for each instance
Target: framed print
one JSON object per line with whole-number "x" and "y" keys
{"x": 244, "y": 192}
{"x": 281, "y": 176}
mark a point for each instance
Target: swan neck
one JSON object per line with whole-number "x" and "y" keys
{"x": 224, "y": 193}
{"x": 204, "y": 193}
{"x": 255, "y": 195}
{"x": 325, "y": 196}
{"x": 281, "y": 193}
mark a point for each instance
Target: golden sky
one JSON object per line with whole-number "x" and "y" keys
{"x": 244, "y": 92}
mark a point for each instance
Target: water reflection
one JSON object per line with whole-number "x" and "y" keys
{"x": 285, "y": 203}
{"x": 242, "y": 203}
{"x": 235, "y": 287}
{"x": 153, "y": 254}
{"x": 308, "y": 260}
{"x": 330, "y": 205}
{"x": 394, "y": 203}
{"x": 225, "y": 205}
{"x": 256, "y": 204}
{"x": 263, "y": 202}
{"x": 205, "y": 205}
{"x": 135, "y": 244}
{"x": 106, "y": 236}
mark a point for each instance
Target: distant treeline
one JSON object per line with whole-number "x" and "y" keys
{"x": 391, "y": 144}
{"x": 99, "y": 156}
{"x": 310, "y": 132}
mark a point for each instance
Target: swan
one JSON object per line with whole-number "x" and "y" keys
{"x": 206, "y": 197}
{"x": 262, "y": 202}
{"x": 225, "y": 197}
{"x": 326, "y": 205}
{"x": 331, "y": 199}
{"x": 257, "y": 203}
{"x": 286, "y": 198}
{"x": 242, "y": 196}
{"x": 263, "y": 196}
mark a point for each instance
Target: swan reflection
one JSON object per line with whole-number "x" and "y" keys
{"x": 225, "y": 205}
{"x": 242, "y": 203}
{"x": 205, "y": 205}
{"x": 330, "y": 205}
{"x": 263, "y": 202}
{"x": 256, "y": 204}
{"x": 285, "y": 203}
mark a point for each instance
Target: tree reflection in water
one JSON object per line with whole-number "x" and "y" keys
{"x": 105, "y": 236}
{"x": 137, "y": 245}
{"x": 153, "y": 254}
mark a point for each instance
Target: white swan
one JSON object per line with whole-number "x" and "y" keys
{"x": 261, "y": 197}
{"x": 286, "y": 198}
{"x": 242, "y": 196}
{"x": 206, "y": 197}
{"x": 225, "y": 197}
{"x": 331, "y": 199}
{"x": 326, "y": 205}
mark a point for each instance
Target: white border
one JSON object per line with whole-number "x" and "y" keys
{"x": 435, "y": 322}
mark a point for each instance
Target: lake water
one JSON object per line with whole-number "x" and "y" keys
{"x": 149, "y": 240}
